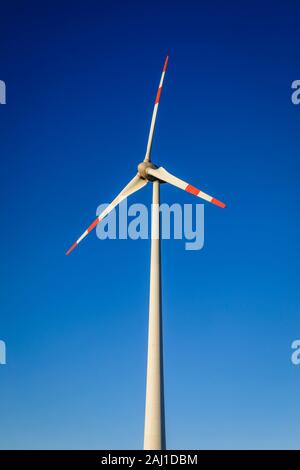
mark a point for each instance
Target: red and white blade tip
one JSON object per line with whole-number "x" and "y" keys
{"x": 197, "y": 192}
{"x": 71, "y": 248}
{"x": 88, "y": 230}
{"x": 218, "y": 203}
{"x": 166, "y": 63}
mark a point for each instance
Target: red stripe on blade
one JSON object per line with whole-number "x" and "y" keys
{"x": 218, "y": 203}
{"x": 93, "y": 225}
{"x": 158, "y": 95}
{"x": 70, "y": 249}
{"x": 191, "y": 189}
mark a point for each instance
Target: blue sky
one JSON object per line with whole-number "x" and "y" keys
{"x": 81, "y": 80}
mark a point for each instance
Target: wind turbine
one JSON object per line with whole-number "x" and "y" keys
{"x": 154, "y": 431}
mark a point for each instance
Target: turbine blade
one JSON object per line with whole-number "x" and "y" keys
{"x": 152, "y": 125}
{"x": 163, "y": 175}
{"x": 134, "y": 185}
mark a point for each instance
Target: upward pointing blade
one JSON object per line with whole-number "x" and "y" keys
{"x": 149, "y": 144}
{"x": 164, "y": 175}
{"x": 134, "y": 185}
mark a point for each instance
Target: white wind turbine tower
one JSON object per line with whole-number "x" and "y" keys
{"x": 154, "y": 431}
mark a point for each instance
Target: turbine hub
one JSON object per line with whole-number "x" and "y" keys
{"x": 142, "y": 169}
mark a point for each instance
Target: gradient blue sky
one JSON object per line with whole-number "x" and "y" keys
{"x": 81, "y": 80}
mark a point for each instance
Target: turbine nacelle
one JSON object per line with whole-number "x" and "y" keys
{"x": 143, "y": 169}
